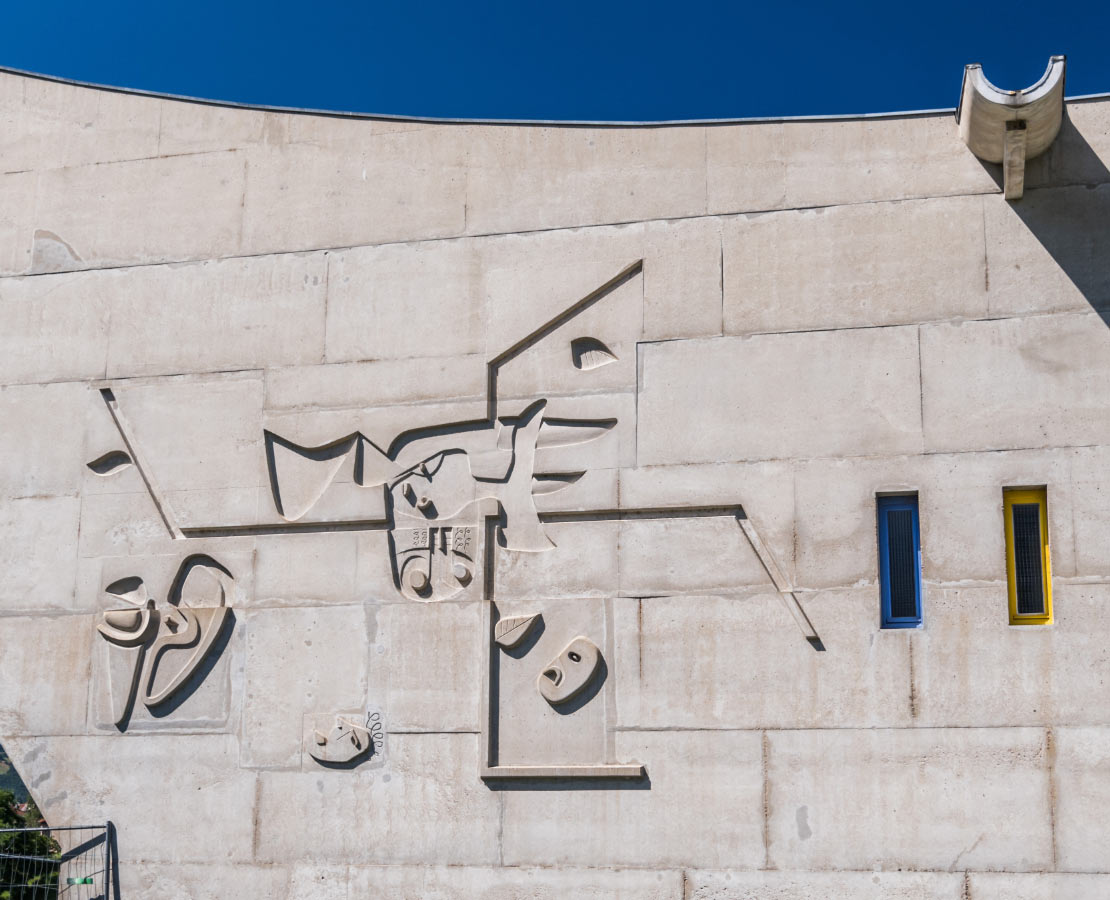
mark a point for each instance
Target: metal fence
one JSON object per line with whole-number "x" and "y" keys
{"x": 72, "y": 863}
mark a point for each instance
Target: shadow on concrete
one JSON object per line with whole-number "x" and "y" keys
{"x": 1067, "y": 208}
{"x": 643, "y": 783}
{"x": 196, "y": 679}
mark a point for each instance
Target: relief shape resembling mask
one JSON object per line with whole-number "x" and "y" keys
{"x": 344, "y": 742}
{"x": 567, "y": 675}
{"x": 161, "y": 647}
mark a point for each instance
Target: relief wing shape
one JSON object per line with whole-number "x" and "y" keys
{"x": 300, "y": 475}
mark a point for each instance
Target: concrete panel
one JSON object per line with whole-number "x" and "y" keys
{"x": 55, "y": 329}
{"x": 853, "y": 161}
{"x": 530, "y": 730}
{"x": 960, "y": 514}
{"x": 806, "y": 164}
{"x": 749, "y": 665}
{"x": 306, "y": 569}
{"x": 746, "y": 167}
{"x": 548, "y": 367}
{"x": 978, "y": 799}
{"x": 146, "y": 211}
{"x": 38, "y": 543}
{"x": 1082, "y": 782}
{"x": 416, "y": 300}
{"x": 1081, "y": 152}
{"x": 581, "y": 176}
{"x": 1047, "y": 253}
{"x": 698, "y": 781}
{"x": 509, "y": 882}
{"x": 855, "y": 266}
{"x": 122, "y": 525}
{"x": 17, "y": 228}
{"x": 42, "y": 437}
{"x": 534, "y": 276}
{"x": 202, "y": 441}
{"x": 963, "y": 528}
{"x": 584, "y": 564}
{"x": 223, "y": 315}
{"x": 340, "y": 132}
{"x": 424, "y": 665}
{"x": 378, "y": 382}
{"x": 298, "y": 661}
{"x": 205, "y": 881}
{"x": 397, "y": 186}
{"x": 764, "y": 490}
{"x": 682, "y": 279}
{"x": 48, "y": 125}
{"x": 1090, "y": 511}
{"x": 91, "y": 779}
{"x": 529, "y": 279}
{"x": 1039, "y": 886}
{"x": 827, "y": 885}
{"x": 683, "y": 555}
{"x": 1035, "y": 382}
{"x": 44, "y": 678}
{"x": 773, "y": 396}
{"x": 199, "y": 128}
{"x": 972, "y": 668}
{"x": 426, "y": 804}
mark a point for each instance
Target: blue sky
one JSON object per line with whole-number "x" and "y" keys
{"x": 569, "y": 59}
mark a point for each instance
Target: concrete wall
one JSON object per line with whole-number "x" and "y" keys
{"x": 796, "y": 317}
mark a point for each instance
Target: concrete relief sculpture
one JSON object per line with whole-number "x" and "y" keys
{"x": 451, "y": 497}
{"x": 590, "y": 353}
{"x": 511, "y": 631}
{"x": 438, "y": 484}
{"x": 345, "y": 739}
{"x": 566, "y": 676}
{"x": 159, "y": 647}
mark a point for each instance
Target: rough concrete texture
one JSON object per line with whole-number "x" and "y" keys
{"x": 296, "y": 408}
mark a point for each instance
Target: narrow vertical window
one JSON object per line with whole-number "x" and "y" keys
{"x": 900, "y": 561}
{"x": 1028, "y": 564}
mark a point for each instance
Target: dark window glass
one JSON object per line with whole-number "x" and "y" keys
{"x": 901, "y": 557}
{"x": 1028, "y": 558}
{"x": 899, "y": 561}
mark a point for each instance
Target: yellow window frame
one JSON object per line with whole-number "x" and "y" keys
{"x": 1039, "y": 496}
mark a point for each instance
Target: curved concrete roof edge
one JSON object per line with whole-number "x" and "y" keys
{"x": 443, "y": 120}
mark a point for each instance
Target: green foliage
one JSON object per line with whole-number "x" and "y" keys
{"x": 28, "y": 859}
{"x": 9, "y": 778}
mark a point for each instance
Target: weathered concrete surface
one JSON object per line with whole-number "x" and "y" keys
{"x": 501, "y": 883}
{"x": 860, "y": 265}
{"x": 865, "y": 781}
{"x": 831, "y": 393}
{"x": 706, "y": 885}
{"x": 781, "y": 321}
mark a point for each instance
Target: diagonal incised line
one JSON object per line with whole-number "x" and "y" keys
{"x": 127, "y": 435}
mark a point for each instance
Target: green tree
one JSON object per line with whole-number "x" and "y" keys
{"x": 28, "y": 859}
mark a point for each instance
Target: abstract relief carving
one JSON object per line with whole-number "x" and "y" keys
{"x": 156, "y": 649}
{"x": 345, "y": 738}
{"x": 511, "y": 631}
{"x": 590, "y": 353}
{"x": 453, "y": 497}
{"x": 437, "y": 483}
{"x": 566, "y": 676}
{"x": 110, "y": 463}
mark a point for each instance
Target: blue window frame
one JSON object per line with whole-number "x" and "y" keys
{"x": 900, "y": 561}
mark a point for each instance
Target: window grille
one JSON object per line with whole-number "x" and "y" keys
{"x": 1028, "y": 570}
{"x": 900, "y": 561}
